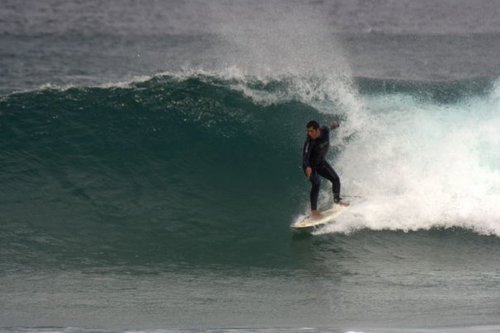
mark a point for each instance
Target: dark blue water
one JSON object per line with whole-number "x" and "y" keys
{"x": 150, "y": 161}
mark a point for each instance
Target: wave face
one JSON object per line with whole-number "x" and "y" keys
{"x": 181, "y": 166}
{"x": 166, "y": 168}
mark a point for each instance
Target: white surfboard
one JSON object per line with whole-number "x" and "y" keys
{"x": 329, "y": 216}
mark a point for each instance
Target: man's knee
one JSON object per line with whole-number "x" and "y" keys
{"x": 330, "y": 174}
{"x": 314, "y": 179}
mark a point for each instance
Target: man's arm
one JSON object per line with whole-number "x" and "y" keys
{"x": 325, "y": 130}
{"x": 306, "y": 154}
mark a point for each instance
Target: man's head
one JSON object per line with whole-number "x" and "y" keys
{"x": 313, "y": 129}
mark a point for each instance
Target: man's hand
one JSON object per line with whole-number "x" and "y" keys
{"x": 334, "y": 124}
{"x": 308, "y": 171}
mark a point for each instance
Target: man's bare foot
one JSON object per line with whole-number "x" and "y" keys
{"x": 316, "y": 214}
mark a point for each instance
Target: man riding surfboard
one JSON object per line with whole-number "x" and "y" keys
{"x": 315, "y": 164}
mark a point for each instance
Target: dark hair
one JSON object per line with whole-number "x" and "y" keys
{"x": 313, "y": 123}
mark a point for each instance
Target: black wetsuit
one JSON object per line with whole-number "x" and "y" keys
{"x": 314, "y": 156}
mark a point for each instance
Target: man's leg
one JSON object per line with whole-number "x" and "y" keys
{"x": 315, "y": 181}
{"x": 327, "y": 172}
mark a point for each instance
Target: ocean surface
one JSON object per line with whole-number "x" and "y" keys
{"x": 150, "y": 166}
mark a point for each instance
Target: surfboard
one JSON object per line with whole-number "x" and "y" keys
{"x": 308, "y": 223}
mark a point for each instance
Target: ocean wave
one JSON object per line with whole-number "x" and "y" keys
{"x": 420, "y": 161}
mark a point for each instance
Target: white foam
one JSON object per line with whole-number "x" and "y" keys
{"x": 422, "y": 165}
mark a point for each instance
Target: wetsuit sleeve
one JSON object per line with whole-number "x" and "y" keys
{"x": 306, "y": 154}
{"x": 325, "y": 131}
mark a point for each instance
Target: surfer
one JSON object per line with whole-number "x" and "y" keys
{"x": 315, "y": 164}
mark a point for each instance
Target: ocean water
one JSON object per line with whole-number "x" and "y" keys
{"x": 150, "y": 165}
